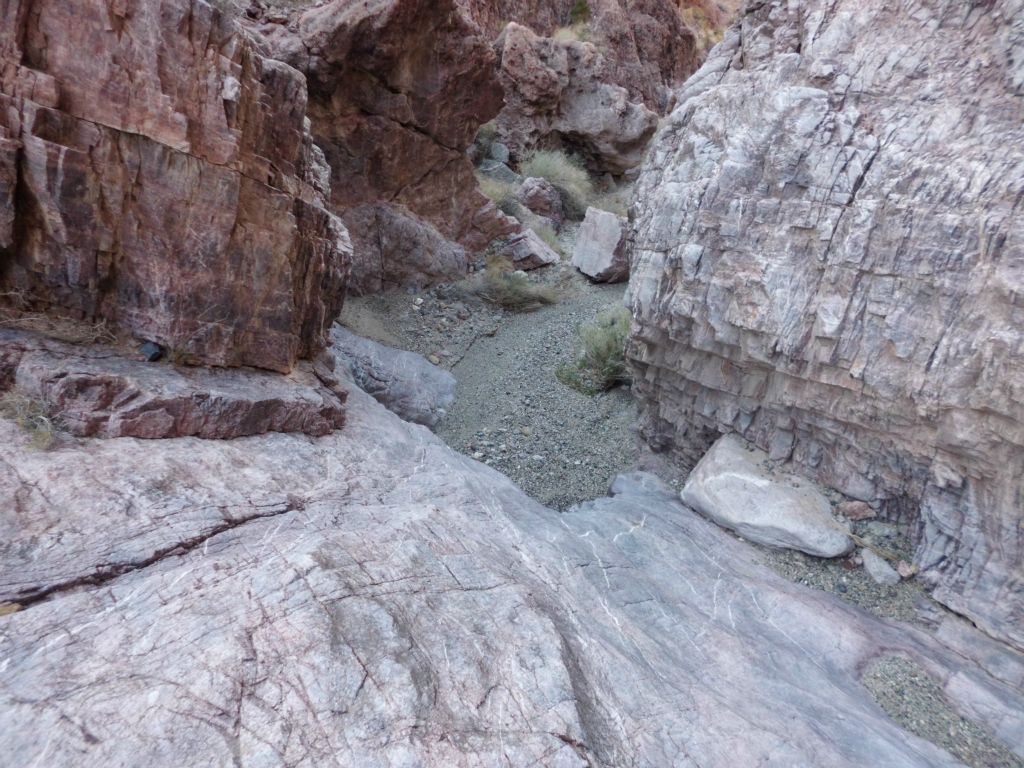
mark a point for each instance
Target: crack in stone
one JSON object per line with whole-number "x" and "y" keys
{"x": 106, "y": 574}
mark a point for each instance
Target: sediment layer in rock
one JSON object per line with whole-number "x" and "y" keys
{"x": 93, "y": 391}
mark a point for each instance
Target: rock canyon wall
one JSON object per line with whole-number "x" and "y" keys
{"x": 398, "y": 90}
{"x": 157, "y": 173}
{"x": 828, "y": 258}
{"x": 227, "y": 567}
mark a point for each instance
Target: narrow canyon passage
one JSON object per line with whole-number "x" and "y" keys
{"x": 510, "y": 411}
{"x": 511, "y": 383}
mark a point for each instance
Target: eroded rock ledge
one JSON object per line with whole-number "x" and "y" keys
{"x": 828, "y": 261}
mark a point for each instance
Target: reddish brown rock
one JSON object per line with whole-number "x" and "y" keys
{"x": 651, "y": 49}
{"x": 542, "y": 16}
{"x": 97, "y": 392}
{"x": 541, "y": 197}
{"x": 393, "y": 248}
{"x": 398, "y": 89}
{"x": 528, "y": 251}
{"x": 171, "y": 157}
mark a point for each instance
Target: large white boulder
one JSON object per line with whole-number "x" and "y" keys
{"x": 733, "y": 486}
{"x": 600, "y": 251}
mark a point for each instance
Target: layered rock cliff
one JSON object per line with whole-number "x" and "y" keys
{"x": 829, "y": 261}
{"x": 157, "y": 173}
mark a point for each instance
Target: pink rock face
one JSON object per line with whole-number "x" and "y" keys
{"x": 543, "y": 16}
{"x": 651, "y": 48}
{"x": 398, "y": 89}
{"x": 165, "y": 181}
{"x": 97, "y": 392}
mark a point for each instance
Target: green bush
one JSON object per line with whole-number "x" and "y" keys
{"x": 600, "y": 358}
{"x": 32, "y": 416}
{"x": 566, "y": 174}
{"x": 500, "y": 284}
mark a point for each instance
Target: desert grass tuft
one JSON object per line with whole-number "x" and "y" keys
{"x": 32, "y": 415}
{"x": 502, "y": 193}
{"x": 600, "y": 359}
{"x": 502, "y": 285}
{"x": 567, "y": 174}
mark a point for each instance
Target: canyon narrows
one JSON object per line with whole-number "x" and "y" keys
{"x": 300, "y": 460}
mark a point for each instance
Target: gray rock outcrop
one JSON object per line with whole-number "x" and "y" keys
{"x": 732, "y": 486}
{"x": 834, "y": 271}
{"x": 405, "y": 383}
{"x": 373, "y": 598}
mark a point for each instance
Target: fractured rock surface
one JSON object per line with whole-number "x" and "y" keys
{"x": 93, "y": 392}
{"x": 834, "y": 271}
{"x": 372, "y": 598}
{"x": 146, "y": 149}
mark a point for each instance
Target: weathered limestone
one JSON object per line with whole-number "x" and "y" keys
{"x": 600, "y": 250}
{"x": 403, "y": 382}
{"x": 373, "y": 598}
{"x": 732, "y": 486}
{"x": 829, "y": 261}
{"x": 146, "y": 150}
